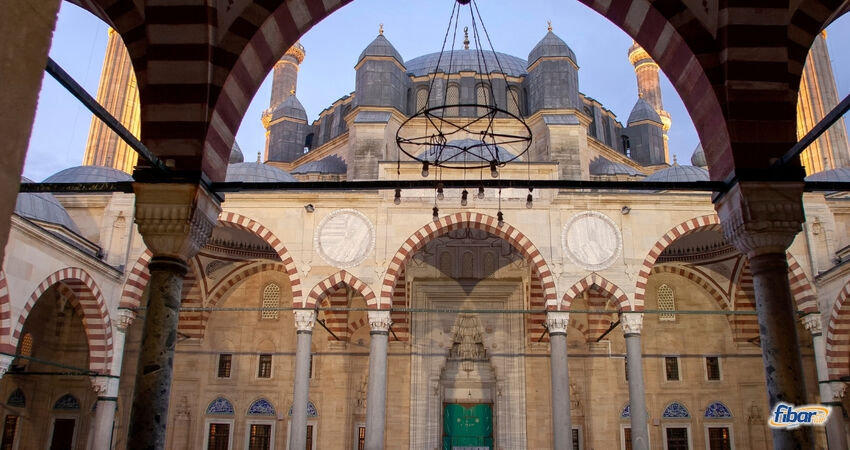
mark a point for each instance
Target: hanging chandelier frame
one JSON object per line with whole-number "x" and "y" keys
{"x": 476, "y": 144}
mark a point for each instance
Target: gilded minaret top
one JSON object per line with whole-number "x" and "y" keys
{"x": 649, "y": 87}
{"x": 117, "y": 92}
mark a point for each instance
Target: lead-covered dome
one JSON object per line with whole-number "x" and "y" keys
{"x": 842, "y": 174}
{"x": 88, "y": 174}
{"x": 254, "y": 172}
{"x": 381, "y": 47}
{"x": 698, "y": 158}
{"x": 236, "y": 155}
{"x": 678, "y": 174}
{"x": 43, "y": 207}
{"x": 290, "y": 108}
{"x": 466, "y": 60}
{"x": 603, "y": 166}
{"x": 643, "y": 111}
{"x": 328, "y": 164}
{"x": 551, "y": 46}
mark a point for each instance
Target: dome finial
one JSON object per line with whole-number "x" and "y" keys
{"x": 549, "y": 23}
{"x": 381, "y": 29}
{"x": 258, "y": 157}
{"x": 675, "y": 160}
{"x": 466, "y": 38}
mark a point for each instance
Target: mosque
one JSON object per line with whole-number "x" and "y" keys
{"x": 509, "y": 320}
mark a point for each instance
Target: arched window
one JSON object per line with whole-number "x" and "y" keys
{"x": 219, "y": 426}
{"x": 664, "y": 296}
{"x": 717, "y": 410}
{"x": 421, "y": 99}
{"x": 26, "y": 344}
{"x": 271, "y": 299}
{"x": 67, "y": 402}
{"x": 513, "y": 101}
{"x": 482, "y": 97}
{"x": 17, "y": 399}
{"x": 220, "y": 406}
{"x": 467, "y": 266}
{"x": 446, "y": 264}
{"x": 453, "y": 98}
{"x": 676, "y": 410}
{"x": 261, "y": 407}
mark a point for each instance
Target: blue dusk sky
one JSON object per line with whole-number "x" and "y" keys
{"x": 414, "y": 28}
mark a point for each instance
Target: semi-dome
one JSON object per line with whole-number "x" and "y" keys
{"x": 452, "y": 154}
{"x": 290, "y": 108}
{"x": 43, "y": 207}
{"x": 551, "y": 46}
{"x": 236, "y": 155}
{"x": 643, "y": 111}
{"x": 604, "y": 166}
{"x": 88, "y": 174}
{"x": 466, "y": 60}
{"x": 842, "y": 174}
{"x": 698, "y": 158}
{"x": 678, "y": 174}
{"x": 381, "y": 47}
{"x": 254, "y": 172}
{"x": 328, "y": 164}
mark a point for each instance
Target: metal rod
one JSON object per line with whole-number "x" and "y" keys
{"x": 322, "y": 323}
{"x": 101, "y": 113}
{"x": 393, "y": 332}
{"x": 464, "y": 311}
{"x": 815, "y": 132}
{"x": 542, "y": 335}
{"x": 59, "y": 365}
{"x": 610, "y": 329}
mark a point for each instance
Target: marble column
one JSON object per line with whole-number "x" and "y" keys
{"x": 376, "y": 395}
{"x": 175, "y": 220}
{"x": 5, "y": 363}
{"x": 107, "y": 388}
{"x": 304, "y": 321}
{"x": 761, "y": 220}
{"x": 835, "y": 434}
{"x": 632, "y": 324}
{"x": 556, "y": 323}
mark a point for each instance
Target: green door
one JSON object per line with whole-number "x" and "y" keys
{"x": 467, "y": 425}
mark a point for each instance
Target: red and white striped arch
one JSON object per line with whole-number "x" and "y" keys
{"x": 462, "y": 220}
{"x": 720, "y": 299}
{"x": 342, "y": 278}
{"x": 702, "y": 223}
{"x": 96, "y": 321}
{"x": 838, "y": 336}
{"x": 620, "y": 299}
{"x": 5, "y": 316}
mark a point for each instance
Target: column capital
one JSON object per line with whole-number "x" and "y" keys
{"x": 126, "y": 318}
{"x": 100, "y": 385}
{"x": 557, "y": 322}
{"x": 813, "y": 323}
{"x": 762, "y": 217}
{"x": 305, "y": 319}
{"x": 380, "y": 320}
{"x": 632, "y": 323}
{"x": 175, "y": 219}
{"x": 5, "y": 362}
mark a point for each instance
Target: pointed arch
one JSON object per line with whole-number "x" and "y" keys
{"x": 621, "y": 300}
{"x": 323, "y": 288}
{"x": 457, "y": 221}
{"x": 838, "y": 336}
{"x": 137, "y": 280}
{"x": 720, "y": 299}
{"x": 91, "y": 304}
{"x": 5, "y": 316}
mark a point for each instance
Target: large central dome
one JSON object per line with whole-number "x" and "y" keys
{"x": 466, "y": 60}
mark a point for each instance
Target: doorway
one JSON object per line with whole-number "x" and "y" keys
{"x": 468, "y": 426}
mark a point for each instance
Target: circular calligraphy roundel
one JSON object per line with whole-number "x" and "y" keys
{"x": 345, "y": 237}
{"x": 592, "y": 240}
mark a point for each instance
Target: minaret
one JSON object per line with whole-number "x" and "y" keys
{"x": 817, "y": 96}
{"x": 117, "y": 93}
{"x": 285, "y": 120}
{"x": 649, "y": 88}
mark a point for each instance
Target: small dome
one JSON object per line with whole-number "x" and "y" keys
{"x": 466, "y": 60}
{"x": 381, "y": 47}
{"x": 328, "y": 164}
{"x": 44, "y": 207}
{"x": 453, "y": 152}
{"x": 643, "y": 111}
{"x": 290, "y": 108}
{"x": 236, "y": 155}
{"x": 550, "y": 46}
{"x": 256, "y": 173}
{"x": 841, "y": 174}
{"x": 88, "y": 174}
{"x": 698, "y": 158}
{"x": 603, "y": 166}
{"x": 677, "y": 173}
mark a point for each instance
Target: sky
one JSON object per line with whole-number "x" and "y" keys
{"x": 414, "y": 28}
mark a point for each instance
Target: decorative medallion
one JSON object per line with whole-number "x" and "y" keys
{"x": 344, "y": 238}
{"x": 592, "y": 240}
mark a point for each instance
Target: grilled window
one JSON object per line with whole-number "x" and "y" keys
{"x": 712, "y": 368}
{"x": 664, "y": 295}
{"x": 671, "y": 368}
{"x": 225, "y": 361}
{"x": 265, "y": 367}
{"x": 271, "y": 299}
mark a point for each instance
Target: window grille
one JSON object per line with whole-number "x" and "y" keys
{"x": 421, "y": 99}
{"x": 219, "y": 436}
{"x": 271, "y": 299}
{"x": 452, "y": 98}
{"x": 265, "y": 368}
{"x": 671, "y": 368}
{"x": 664, "y": 296}
{"x": 719, "y": 439}
{"x": 482, "y": 97}
{"x": 513, "y": 101}
{"x": 712, "y": 368}
{"x": 677, "y": 439}
{"x": 261, "y": 437}
{"x": 26, "y": 345}
{"x": 225, "y": 361}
